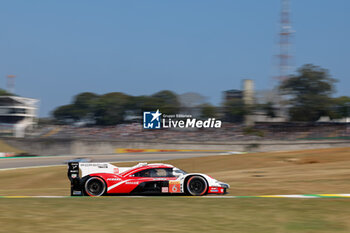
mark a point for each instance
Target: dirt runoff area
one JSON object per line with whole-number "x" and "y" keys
{"x": 295, "y": 172}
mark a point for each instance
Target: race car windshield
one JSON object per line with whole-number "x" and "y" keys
{"x": 178, "y": 172}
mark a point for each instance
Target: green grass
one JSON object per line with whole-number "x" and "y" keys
{"x": 174, "y": 214}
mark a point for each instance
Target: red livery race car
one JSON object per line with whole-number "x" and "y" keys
{"x": 97, "y": 179}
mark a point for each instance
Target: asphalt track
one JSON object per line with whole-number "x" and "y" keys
{"x": 8, "y": 163}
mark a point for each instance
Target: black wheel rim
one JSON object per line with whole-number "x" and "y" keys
{"x": 197, "y": 186}
{"x": 95, "y": 187}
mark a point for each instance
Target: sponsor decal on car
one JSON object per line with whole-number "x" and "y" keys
{"x": 174, "y": 186}
{"x": 132, "y": 182}
{"x": 165, "y": 189}
{"x": 99, "y": 165}
{"x": 216, "y": 190}
{"x": 76, "y": 192}
{"x": 114, "y": 179}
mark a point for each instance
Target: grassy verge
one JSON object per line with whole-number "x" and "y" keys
{"x": 174, "y": 214}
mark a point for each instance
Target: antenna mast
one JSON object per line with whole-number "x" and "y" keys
{"x": 284, "y": 41}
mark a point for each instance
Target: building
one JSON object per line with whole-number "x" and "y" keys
{"x": 233, "y": 94}
{"x": 247, "y": 94}
{"x": 17, "y": 115}
{"x": 251, "y": 97}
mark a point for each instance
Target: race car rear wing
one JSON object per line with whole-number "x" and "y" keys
{"x": 75, "y": 182}
{"x": 77, "y": 171}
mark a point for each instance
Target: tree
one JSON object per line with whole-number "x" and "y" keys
{"x": 84, "y": 104}
{"x": 166, "y": 101}
{"x": 341, "y": 107}
{"x": 145, "y": 103}
{"x": 191, "y": 99}
{"x": 81, "y": 108}
{"x": 85, "y": 99}
{"x": 309, "y": 93}
{"x": 208, "y": 111}
{"x": 4, "y": 92}
{"x": 110, "y": 108}
{"x": 268, "y": 109}
{"x": 66, "y": 113}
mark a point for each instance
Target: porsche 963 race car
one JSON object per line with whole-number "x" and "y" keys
{"x": 97, "y": 179}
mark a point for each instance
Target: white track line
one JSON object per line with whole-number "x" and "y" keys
{"x": 197, "y": 197}
{"x": 41, "y": 166}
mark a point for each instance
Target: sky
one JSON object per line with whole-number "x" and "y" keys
{"x": 59, "y": 48}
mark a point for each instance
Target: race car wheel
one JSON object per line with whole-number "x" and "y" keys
{"x": 95, "y": 186}
{"x": 197, "y": 186}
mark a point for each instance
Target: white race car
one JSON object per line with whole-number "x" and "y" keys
{"x": 97, "y": 179}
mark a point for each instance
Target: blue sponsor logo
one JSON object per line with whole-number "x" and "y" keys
{"x": 151, "y": 120}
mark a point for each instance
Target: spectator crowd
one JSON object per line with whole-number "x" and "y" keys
{"x": 229, "y": 132}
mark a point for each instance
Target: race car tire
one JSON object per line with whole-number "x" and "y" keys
{"x": 95, "y": 186}
{"x": 196, "y": 186}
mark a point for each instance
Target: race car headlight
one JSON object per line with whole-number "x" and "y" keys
{"x": 223, "y": 185}
{"x": 226, "y": 186}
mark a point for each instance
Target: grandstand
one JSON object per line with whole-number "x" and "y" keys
{"x": 17, "y": 115}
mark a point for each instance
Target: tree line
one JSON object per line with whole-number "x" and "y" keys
{"x": 307, "y": 96}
